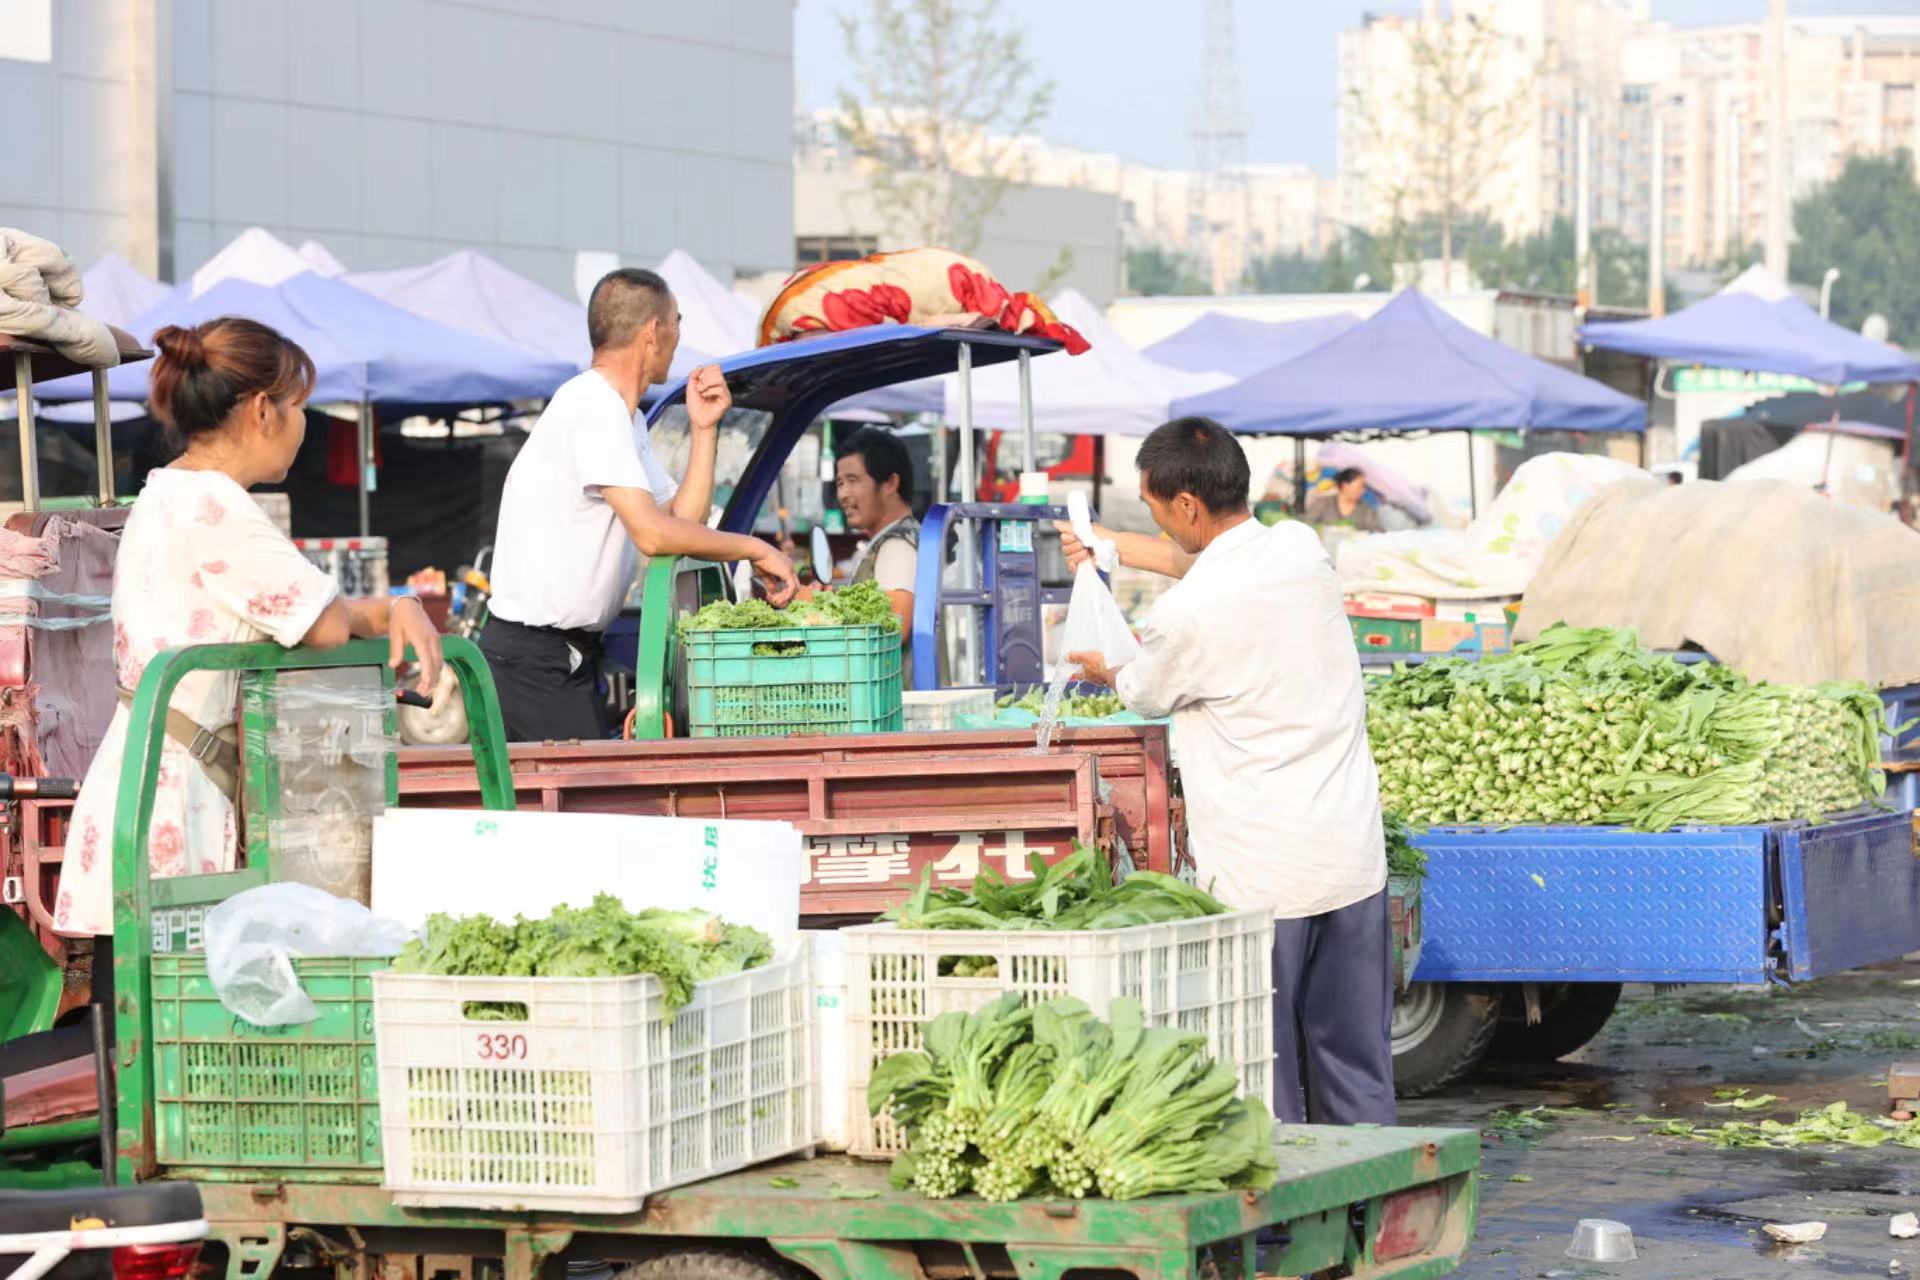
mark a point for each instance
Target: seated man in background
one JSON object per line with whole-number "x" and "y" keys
{"x": 1345, "y": 503}
{"x": 873, "y": 480}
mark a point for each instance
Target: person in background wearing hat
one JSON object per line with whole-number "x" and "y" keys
{"x": 583, "y": 497}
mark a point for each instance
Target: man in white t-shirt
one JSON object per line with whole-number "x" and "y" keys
{"x": 1251, "y": 654}
{"x": 583, "y": 497}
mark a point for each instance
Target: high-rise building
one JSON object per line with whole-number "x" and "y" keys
{"x": 1535, "y": 67}
{"x": 1851, "y": 90}
{"x": 1221, "y": 228}
{"x": 393, "y": 131}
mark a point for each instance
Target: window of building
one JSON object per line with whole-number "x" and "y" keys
{"x": 812, "y": 250}
{"x": 26, "y": 30}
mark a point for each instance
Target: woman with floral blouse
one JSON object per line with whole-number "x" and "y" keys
{"x": 200, "y": 563}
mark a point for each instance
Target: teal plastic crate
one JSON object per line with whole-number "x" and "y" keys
{"x": 233, "y": 1095}
{"x": 786, "y": 680}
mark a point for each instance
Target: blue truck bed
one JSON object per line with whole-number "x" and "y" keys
{"x": 1782, "y": 902}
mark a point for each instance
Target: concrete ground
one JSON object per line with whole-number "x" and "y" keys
{"x": 1696, "y": 1211}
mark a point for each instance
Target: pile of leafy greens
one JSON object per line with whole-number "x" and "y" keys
{"x": 863, "y": 604}
{"x": 1404, "y": 857}
{"x": 1077, "y": 892}
{"x": 1014, "y": 1100}
{"x": 1584, "y": 726}
{"x": 1073, "y": 706}
{"x": 604, "y": 940}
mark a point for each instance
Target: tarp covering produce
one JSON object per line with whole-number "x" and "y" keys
{"x": 1772, "y": 579}
{"x": 1496, "y": 556}
{"x": 1012, "y": 1100}
{"x": 1583, "y": 726}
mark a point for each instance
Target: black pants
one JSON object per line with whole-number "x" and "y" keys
{"x": 1333, "y": 1016}
{"x": 548, "y": 681}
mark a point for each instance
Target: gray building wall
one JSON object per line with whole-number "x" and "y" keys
{"x": 394, "y": 131}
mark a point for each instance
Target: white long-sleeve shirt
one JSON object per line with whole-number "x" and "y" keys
{"x": 1252, "y": 655}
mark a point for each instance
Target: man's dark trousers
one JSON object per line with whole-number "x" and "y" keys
{"x": 1332, "y": 1014}
{"x": 547, "y": 680}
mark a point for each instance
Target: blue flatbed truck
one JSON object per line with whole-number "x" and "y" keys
{"x": 1526, "y": 934}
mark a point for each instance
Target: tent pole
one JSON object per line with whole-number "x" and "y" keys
{"x": 1473, "y": 478}
{"x": 1029, "y": 451}
{"x": 366, "y": 468}
{"x": 1299, "y": 477}
{"x": 102, "y": 437}
{"x": 1833, "y": 433}
{"x": 963, "y": 529}
{"x": 1099, "y": 469}
{"x": 29, "y": 441}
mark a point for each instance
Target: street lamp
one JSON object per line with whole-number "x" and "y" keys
{"x": 1826, "y": 289}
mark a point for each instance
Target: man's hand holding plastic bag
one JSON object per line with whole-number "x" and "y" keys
{"x": 1096, "y": 637}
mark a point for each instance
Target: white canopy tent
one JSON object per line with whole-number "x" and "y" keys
{"x": 320, "y": 259}
{"x": 256, "y": 256}
{"x": 713, "y": 319}
{"x": 1110, "y": 389}
{"x": 115, "y": 291}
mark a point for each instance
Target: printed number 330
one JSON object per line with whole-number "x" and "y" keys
{"x": 499, "y": 1046}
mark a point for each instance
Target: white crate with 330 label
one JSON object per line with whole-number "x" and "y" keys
{"x": 591, "y": 1098}
{"x": 1213, "y": 975}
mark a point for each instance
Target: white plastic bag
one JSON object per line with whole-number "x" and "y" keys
{"x": 1094, "y": 622}
{"x": 253, "y": 936}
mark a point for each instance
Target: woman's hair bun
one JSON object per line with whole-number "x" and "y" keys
{"x": 181, "y": 345}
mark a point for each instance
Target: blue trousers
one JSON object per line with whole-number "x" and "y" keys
{"x": 1332, "y": 1016}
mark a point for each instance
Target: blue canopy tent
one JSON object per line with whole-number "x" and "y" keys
{"x": 1412, "y": 367}
{"x": 364, "y": 351}
{"x": 1740, "y": 330}
{"x": 1220, "y": 343}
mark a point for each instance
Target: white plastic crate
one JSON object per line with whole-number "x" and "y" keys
{"x": 596, "y": 1100}
{"x": 1213, "y": 975}
{"x": 937, "y": 710}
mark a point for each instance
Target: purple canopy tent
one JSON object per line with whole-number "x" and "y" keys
{"x": 1412, "y": 367}
{"x": 1220, "y": 343}
{"x": 364, "y": 351}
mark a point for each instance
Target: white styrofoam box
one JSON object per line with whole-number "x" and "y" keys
{"x": 483, "y": 862}
{"x": 934, "y": 710}
{"x": 1213, "y": 975}
{"x": 830, "y": 1005}
{"x": 597, "y": 1099}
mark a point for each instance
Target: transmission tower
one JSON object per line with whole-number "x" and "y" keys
{"x": 1220, "y": 146}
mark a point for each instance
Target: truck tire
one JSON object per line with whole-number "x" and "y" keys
{"x": 714, "y": 1264}
{"x": 1571, "y": 1013}
{"x": 1441, "y": 1030}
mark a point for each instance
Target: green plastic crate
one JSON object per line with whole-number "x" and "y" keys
{"x": 230, "y": 1094}
{"x": 801, "y": 680}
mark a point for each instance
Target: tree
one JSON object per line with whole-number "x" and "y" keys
{"x": 1544, "y": 263}
{"x": 1439, "y": 134}
{"x": 1867, "y": 223}
{"x": 1284, "y": 273}
{"x": 1154, "y": 271}
{"x": 940, "y": 89}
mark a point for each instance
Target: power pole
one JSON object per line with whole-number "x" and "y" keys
{"x": 1657, "y": 221}
{"x": 1220, "y": 145}
{"x": 1778, "y": 188}
{"x": 1582, "y": 214}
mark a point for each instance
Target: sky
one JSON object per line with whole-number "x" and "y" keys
{"x": 1126, "y": 73}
